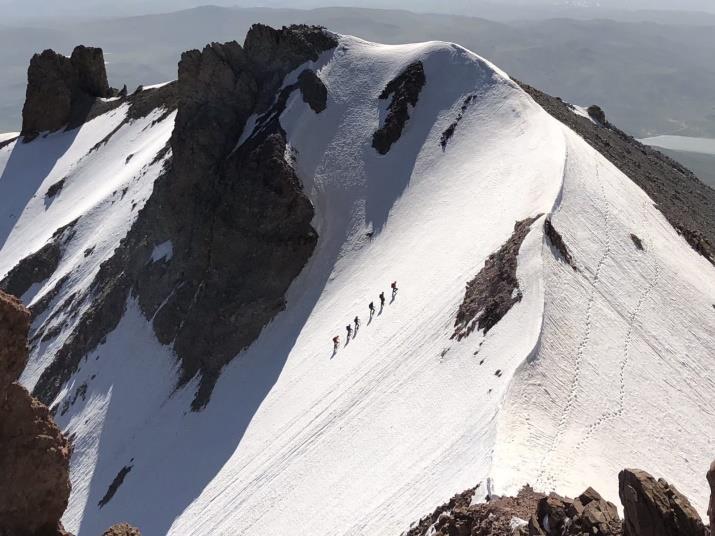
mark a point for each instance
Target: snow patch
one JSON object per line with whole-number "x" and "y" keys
{"x": 163, "y": 251}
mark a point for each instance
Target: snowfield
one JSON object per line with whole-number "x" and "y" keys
{"x": 602, "y": 367}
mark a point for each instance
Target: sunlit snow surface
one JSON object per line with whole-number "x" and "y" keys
{"x": 604, "y": 367}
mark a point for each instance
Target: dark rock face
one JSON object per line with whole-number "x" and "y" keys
{"x": 34, "y": 455}
{"x": 61, "y": 90}
{"x": 314, "y": 92}
{"x": 558, "y": 243}
{"x": 91, "y": 73}
{"x": 405, "y": 91}
{"x": 236, "y": 216}
{"x": 495, "y": 289}
{"x": 687, "y": 203}
{"x": 597, "y": 114}
{"x": 38, "y": 266}
{"x": 655, "y": 508}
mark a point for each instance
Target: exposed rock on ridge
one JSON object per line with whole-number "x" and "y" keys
{"x": 61, "y": 90}
{"x": 405, "y": 91}
{"x": 651, "y": 508}
{"x": 34, "y": 455}
{"x": 495, "y": 289}
{"x": 237, "y": 218}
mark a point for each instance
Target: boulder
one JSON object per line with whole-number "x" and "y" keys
{"x": 655, "y": 508}
{"x": 122, "y": 529}
{"x": 34, "y": 455}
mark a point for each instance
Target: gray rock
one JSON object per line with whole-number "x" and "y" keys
{"x": 61, "y": 90}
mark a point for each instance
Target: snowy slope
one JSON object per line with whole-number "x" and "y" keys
{"x": 601, "y": 368}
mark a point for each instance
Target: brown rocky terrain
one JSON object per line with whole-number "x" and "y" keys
{"x": 651, "y": 508}
{"x": 495, "y": 289}
{"x": 34, "y": 455}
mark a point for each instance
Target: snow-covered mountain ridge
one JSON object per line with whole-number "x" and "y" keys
{"x": 218, "y": 236}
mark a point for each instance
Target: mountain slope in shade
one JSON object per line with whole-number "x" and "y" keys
{"x": 599, "y": 357}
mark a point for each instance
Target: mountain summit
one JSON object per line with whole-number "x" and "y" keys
{"x": 190, "y": 251}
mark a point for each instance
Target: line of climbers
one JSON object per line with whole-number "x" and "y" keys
{"x": 352, "y": 332}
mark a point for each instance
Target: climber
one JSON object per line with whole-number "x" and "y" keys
{"x": 357, "y": 324}
{"x": 336, "y": 343}
{"x": 372, "y": 308}
{"x": 382, "y": 300}
{"x": 393, "y": 286}
{"x": 349, "y": 329}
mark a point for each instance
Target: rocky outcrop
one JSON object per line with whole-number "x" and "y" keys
{"x": 588, "y": 513}
{"x": 236, "y": 215}
{"x": 557, "y": 242}
{"x": 405, "y": 91}
{"x": 597, "y": 114}
{"x": 651, "y": 508}
{"x": 34, "y": 455}
{"x": 314, "y": 92}
{"x": 122, "y": 529}
{"x": 496, "y": 517}
{"x": 38, "y": 266}
{"x": 495, "y": 289}
{"x": 687, "y": 203}
{"x": 449, "y": 131}
{"x": 61, "y": 90}
{"x": 655, "y": 508}
{"x": 529, "y": 513}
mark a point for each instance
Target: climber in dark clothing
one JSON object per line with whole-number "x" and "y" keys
{"x": 372, "y": 308}
{"x": 394, "y": 289}
{"x": 357, "y": 324}
{"x": 349, "y": 329}
{"x": 382, "y": 299}
{"x": 336, "y": 342}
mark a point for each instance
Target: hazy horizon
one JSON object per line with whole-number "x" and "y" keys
{"x": 510, "y": 9}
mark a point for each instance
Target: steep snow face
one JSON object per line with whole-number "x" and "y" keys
{"x": 592, "y": 370}
{"x": 621, "y": 376}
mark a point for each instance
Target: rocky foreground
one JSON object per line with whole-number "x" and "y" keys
{"x": 34, "y": 454}
{"x": 650, "y": 508}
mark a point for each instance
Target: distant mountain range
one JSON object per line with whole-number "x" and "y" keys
{"x": 651, "y": 79}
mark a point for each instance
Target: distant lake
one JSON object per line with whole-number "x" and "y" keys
{"x": 682, "y": 143}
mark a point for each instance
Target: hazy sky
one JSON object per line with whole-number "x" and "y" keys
{"x": 14, "y": 9}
